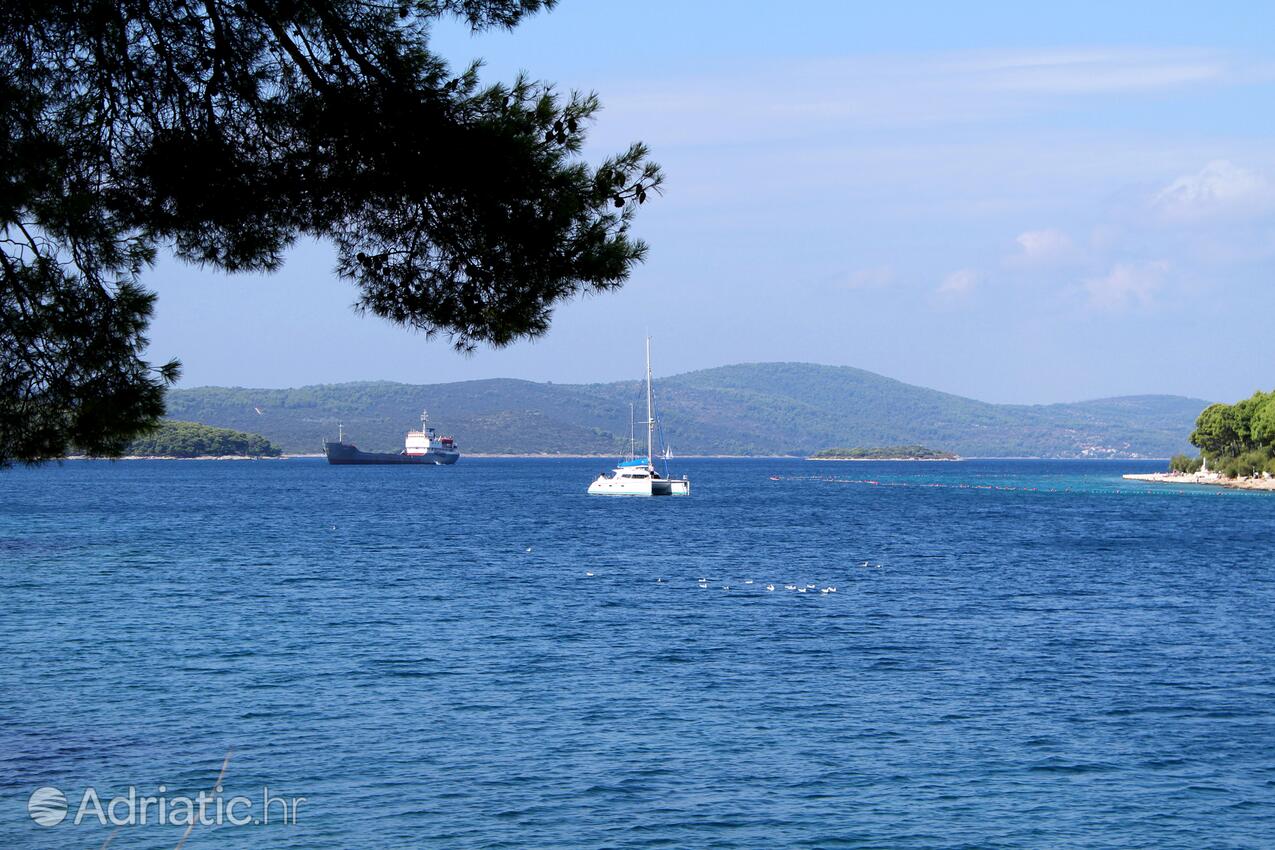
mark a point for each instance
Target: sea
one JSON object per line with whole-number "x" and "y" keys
{"x": 1017, "y": 654}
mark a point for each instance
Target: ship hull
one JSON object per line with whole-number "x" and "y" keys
{"x": 344, "y": 454}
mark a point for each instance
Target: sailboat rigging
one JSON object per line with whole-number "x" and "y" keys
{"x": 637, "y": 476}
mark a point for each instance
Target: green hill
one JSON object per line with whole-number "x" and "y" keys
{"x": 757, "y": 408}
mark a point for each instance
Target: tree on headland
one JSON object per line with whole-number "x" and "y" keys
{"x": 1217, "y": 431}
{"x": 1238, "y": 439}
{"x": 226, "y": 129}
{"x": 1262, "y": 424}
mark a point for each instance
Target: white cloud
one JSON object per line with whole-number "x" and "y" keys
{"x": 1126, "y": 284}
{"x": 1097, "y": 71}
{"x": 873, "y": 278}
{"x": 959, "y": 283}
{"x": 1219, "y": 188}
{"x": 1042, "y": 247}
{"x": 794, "y": 100}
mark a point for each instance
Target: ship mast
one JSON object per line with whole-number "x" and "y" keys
{"x": 650, "y": 410}
{"x": 632, "y": 433}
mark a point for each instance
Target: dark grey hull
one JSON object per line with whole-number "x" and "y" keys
{"x": 344, "y": 453}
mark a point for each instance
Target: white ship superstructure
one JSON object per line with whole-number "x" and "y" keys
{"x": 421, "y": 447}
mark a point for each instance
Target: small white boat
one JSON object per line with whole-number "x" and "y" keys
{"x": 638, "y": 476}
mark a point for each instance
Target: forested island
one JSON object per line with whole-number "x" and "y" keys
{"x": 174, "y": 438}
{"x": 884, "y": 453}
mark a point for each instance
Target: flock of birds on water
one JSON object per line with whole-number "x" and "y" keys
{"x": 703, "y": 583}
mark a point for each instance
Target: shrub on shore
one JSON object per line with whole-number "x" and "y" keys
{"x": 1188, "y": 465}
{"x": 1250, "y": 464}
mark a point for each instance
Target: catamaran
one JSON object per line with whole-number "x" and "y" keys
{"x": 637, "y": 476}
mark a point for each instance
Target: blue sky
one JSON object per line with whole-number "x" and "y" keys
{"x": 1012, "y": 203}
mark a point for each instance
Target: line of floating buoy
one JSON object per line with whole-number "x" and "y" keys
{"x": 872, "y": 482}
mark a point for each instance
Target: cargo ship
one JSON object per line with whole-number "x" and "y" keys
{"x": 423, "y": 446}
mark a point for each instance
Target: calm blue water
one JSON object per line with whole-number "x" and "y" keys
{"x": 1046, "y": 657}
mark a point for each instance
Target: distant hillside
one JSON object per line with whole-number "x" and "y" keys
{"x": 757, "y": 408}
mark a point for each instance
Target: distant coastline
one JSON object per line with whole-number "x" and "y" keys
{"x": 1211, "y": 479}
{"x": 191, "y": 457}
{"x": 612, "y": 456}
{"x": 818, "y": 406}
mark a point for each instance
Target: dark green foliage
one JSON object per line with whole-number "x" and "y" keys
{"x": 172, "y": 438}
{"x": 1238, "y": 439}
{"x": 1183, "y": 463}
{"x": 227, "y": 129}
{"x": 1261, "y": 420}
{"x": 883, "y": 453}
{"x": 1248, "y": 464}
{"x": 1217, "y": 431}
{"x": 767, "y": 408}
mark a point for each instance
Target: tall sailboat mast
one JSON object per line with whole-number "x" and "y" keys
{"x": 650, "y": 410}
{"x": 637, "y": 476}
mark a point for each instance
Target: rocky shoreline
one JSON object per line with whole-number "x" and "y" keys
{"x": 1207, "y": 478}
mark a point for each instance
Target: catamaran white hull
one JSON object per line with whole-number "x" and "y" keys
{"x": 637, "y": 476}
{"x": 617, "y": 486}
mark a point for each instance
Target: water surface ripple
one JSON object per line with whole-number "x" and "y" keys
{"x": 1047, "y": 656}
